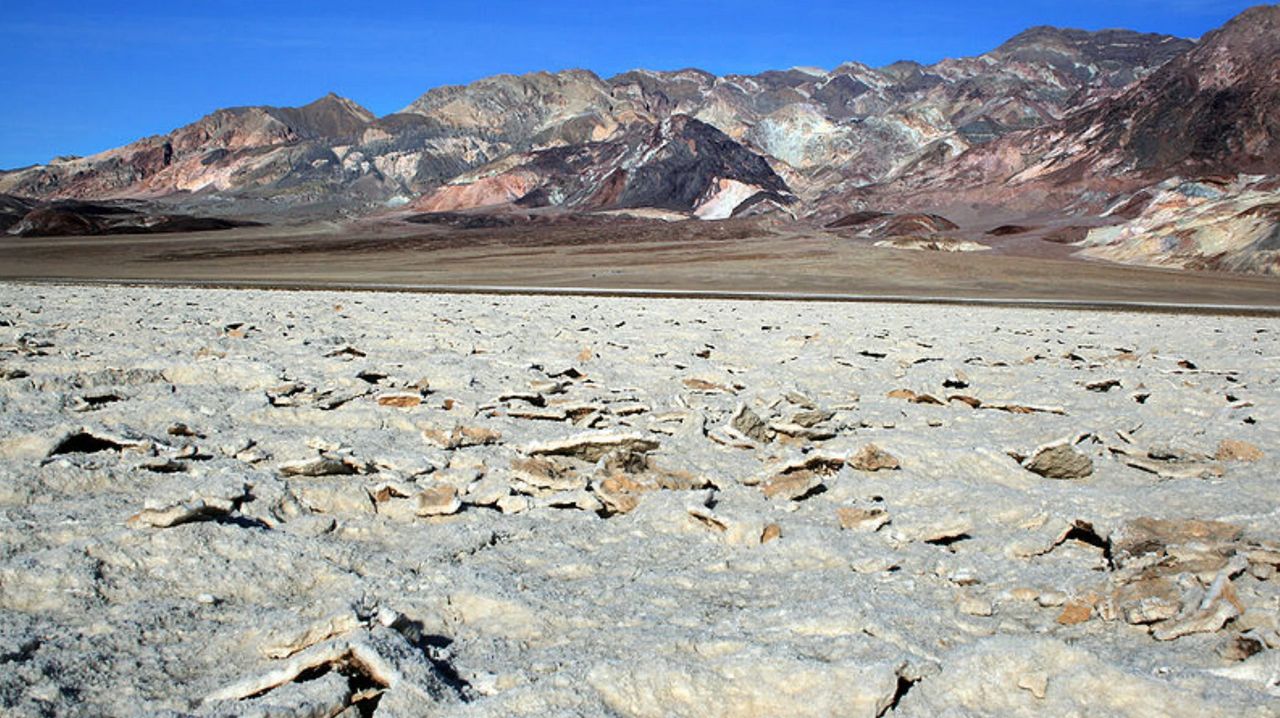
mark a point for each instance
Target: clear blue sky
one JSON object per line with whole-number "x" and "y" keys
{"x": 79, "y": 77}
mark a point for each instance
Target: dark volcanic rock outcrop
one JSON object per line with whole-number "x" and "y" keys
{"x": 682, "y": 165}
{"x": 1214, "y": 109}
{"x": 12, "y": 210}
{"x": 75, "y": 218}
{"x": 1211, "y": 110}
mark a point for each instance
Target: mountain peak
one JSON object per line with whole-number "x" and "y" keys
{"x": 332, "y": 102}
{"x": 1258, "y": 25}
{"x": 1093, "y": 46}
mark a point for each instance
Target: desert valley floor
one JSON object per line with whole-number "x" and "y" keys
{"x": 731, "y": 257}
{"x": 309, "y": 503}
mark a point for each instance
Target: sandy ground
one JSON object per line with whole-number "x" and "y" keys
{"x": 218, "y": 502}
{"x": 721, "y": 256}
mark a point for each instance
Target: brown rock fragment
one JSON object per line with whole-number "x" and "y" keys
{"x": 1236, "y": 450}
{"x": 1148, "y": 600}
{"x": 749, "y": 424}
{"x": 438, "y": 500}
{"x": 592, "y": 447}
{"x": 1060, "y": 462}
{"x": 793, "y": 485}
{"x": 402, "y": 401}
{"x": 1238, "y": 648}
{"x": 873, "y": 458}
{"x": 620, "y": 494}
{"x": 811, "y": 417}
{"x": 546, "y": 474}
{"x": 706, "y": 386}
{"x": 1150, "y": 535}
{"x": 771, "y": 532}
{"x": 864, "y": 519}
{"x": 1205, "y": 620}
{"x": 461, "y": 436}
{"x": 1074, "y": 613}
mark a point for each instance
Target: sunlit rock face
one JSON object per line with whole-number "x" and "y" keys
{"x": 853, "y": 123}
{"x": 681, "y": 164}
{"x": 1214, "y": 223}
{"x": 1055, "y": 121}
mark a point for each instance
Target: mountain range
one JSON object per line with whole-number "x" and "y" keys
{"x": 1134, "y": 147}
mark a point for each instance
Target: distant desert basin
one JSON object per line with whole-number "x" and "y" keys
{"x": 314, "y": 503}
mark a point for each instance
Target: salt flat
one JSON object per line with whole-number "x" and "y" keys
{"x": 276, "y": 503}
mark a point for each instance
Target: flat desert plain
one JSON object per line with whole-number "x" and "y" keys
{"x": 308, "y": 503}
{"x": 735, "y": 257}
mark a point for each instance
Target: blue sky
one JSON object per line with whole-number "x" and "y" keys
{"x": 79, "y": 77}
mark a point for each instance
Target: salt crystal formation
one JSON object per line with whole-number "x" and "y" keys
{"x": 226, "y": 503}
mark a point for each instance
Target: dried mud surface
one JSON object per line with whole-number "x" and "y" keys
{"x": 271, "y": 503}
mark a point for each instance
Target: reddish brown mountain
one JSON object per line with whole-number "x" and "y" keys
{"x": 241, "y": 148}
{"x": 1089, "y": 128}
{"x": 1212, "y": 110}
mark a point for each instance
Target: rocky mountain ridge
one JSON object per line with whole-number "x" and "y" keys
{"x": 1053, "y": 120}
{"x": 854, "y": 123}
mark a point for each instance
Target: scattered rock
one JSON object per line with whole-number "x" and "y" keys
{"x": 1236, "y": 450}
{"x": 439, "y": 500}
{"x": 811, "y": 418}
{"x": 552, "y": 474}
{"x": 862, "y": 519}
{"x": 378, "y": 656}
{"x": 796, "y": 431}
{"x": 1198, "y": 620}
{"x": 706, "y": 386}
{"x": 972, "y": 604}
{"x": 1074, "y": 613}
{"x": 592, "y": 447}
{"x": 913, "y": 397}
{"x": 873, "y": 458}
{"x": 749, "y": 424}
{"x": 402, "y": 400}
{"x": 1148, "y": 600}
{"x": 538, "y": 414}
{"x": 488, "y": 491}
{"x": 320, "y": 466}
{"x": 1151, "y": 536}
{"x": 194, "y": 510}
{"x": 1239, "y": 648}
{"x": 794, "y": 485}
{"x": 1059, "y": 462}
{"x": 1023, "y": 408}
{"x": 731, "y": 437}
{"x": 1037, "y": 682}
{"x": 770, "y": 533}
{"x": 346, "y": 352}
{"x": 461, "y": 436}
